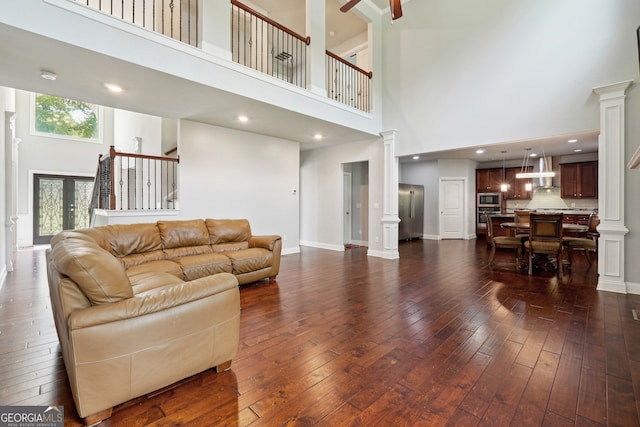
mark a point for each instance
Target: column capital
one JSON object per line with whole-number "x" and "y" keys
{"x": 614, "y": 90}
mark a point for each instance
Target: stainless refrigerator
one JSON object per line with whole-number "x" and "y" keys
{"x": 410, "y": 211}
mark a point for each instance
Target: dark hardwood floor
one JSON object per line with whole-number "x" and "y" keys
{"x": 435, "y": 338}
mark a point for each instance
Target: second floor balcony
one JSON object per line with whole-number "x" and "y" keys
{"x": 265, "y": 44}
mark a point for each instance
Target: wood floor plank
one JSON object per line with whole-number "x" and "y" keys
{"x": 342, "y": 338}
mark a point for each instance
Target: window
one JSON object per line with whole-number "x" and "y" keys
{"x": 65, "y": 118}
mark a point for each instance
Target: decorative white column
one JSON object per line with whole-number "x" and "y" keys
{"x": 316, "y": 59}
{"x": 390, "y": 218}
{"x": 611, "y": 169}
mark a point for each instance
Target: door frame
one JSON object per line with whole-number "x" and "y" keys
{"x": 27, "y": 218}
{"x": 347, "y": 211}
{"x": 465, "y": 205}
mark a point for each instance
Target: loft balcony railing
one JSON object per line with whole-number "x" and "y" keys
{"x": 348, "y": 83}
{"x": 257, "y": 42}
{"x": 178, "y": 19}
{"x": 266, "y": 46}
{"x": 130, "y": 181}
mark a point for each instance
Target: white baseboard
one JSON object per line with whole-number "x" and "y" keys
{"x": 431, "y": 237}
{"x": 289, "y": 251}
{"x": 339, "y": 248}
{"x": 613, "y": 286}
{"x": 633, "y": 288}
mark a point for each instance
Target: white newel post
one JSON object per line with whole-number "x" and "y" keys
{"x": 611, "y": 169}
{"x": 390, "y": 218}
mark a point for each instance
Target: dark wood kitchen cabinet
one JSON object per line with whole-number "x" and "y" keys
{"x": 579, "y": 180}
{"x": 489, "y": 180}
{"x": 517, "y": 186}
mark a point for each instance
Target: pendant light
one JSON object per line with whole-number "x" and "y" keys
{"x": 545, "y": 173}
{"x": 504, "y": 187}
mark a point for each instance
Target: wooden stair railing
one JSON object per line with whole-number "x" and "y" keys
{"x": 348, "y": 83}
{"x": 131, "y": 181}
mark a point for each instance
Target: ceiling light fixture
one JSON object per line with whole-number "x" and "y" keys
{"x": 545, "y": 173}
{"x": 48, "y": 75}
{"x": 317, "y": 136}
{"x": 113, "y": 87}
{"x": 504, "y": 187}
{"x": 480, "y": 151}
{"x": 571, "y": 141}
{"x": 416, "y": 157}
{"x": 243, "y": 118}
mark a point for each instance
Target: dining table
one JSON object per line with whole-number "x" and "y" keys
{"x": 544, "y": 262}
{"x": 566, "y": 227}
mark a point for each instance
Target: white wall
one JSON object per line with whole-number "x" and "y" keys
{"x": 463, "y": 73}
{"x": 226, "y": 173}
{"x": 39, "y": 154}
{"x": 321, "y": 193}
{"x": 5, "y": 147}
{"x": 128, "y": 125}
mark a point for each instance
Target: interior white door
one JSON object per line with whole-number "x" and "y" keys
{"x": 451, "y": 208}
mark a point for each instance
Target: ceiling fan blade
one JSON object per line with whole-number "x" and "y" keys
{"x": 348, "y": 5}
{"x": 396, "y": 9}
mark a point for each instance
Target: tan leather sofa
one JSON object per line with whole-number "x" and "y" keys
{"x": 138, "y": 307}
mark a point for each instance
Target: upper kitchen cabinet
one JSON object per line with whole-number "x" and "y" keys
{"x": 517, "y": 187}
{"x": 488, "y": 180}
{"x": 579, "y": 180}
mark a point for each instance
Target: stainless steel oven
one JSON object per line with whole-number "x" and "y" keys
{"x": 482, "y": 220}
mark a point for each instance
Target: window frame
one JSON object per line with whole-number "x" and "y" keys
{"x": 32, "y": 122}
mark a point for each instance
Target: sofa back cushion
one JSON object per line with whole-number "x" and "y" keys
{"x": 97, "y": 273}
{"x": 129, "y": 239}
{"x": 228, "y": 230}
{"x": 177, "y": 234}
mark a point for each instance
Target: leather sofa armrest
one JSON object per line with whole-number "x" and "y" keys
{"x": 265, "y": 242}
{"x": 153, "y": 301}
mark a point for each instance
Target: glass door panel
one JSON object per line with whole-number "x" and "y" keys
{"x": 60, "y": 203}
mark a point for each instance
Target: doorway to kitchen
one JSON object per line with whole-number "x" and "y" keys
{"x": 60, "y": 202}
{"x": 355, "y": 209}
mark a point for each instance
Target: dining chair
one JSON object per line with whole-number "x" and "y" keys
{"x": 586, "y": 244}
{"x": 503, "y": 242}
{"x": 521, "y": 217}
{"x": 545, "y": 237}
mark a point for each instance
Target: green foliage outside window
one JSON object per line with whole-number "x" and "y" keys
{"x": 62, "y": 116}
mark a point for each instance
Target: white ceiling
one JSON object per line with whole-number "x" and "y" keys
{"x": 24, "y": 54}
{"x": 559, "y": 145}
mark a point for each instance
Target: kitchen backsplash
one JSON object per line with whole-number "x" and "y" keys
{"x": 543, "y": 198}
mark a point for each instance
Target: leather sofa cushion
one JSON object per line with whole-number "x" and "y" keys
{"x": 228, "y": 230}
{"x": 197, "y": 266}
{"x": 127, "y": 239}
{"x": 131, "y": 260}
{"x": 187, "y": 251}
{"x": 148, "y": 281}
{"x": 164, "y": 266}
{"x": 99, "y": 275}
{"x": 230, "y": 247}
{"x": 249, "y": 260}
{"x": 176, "y": 234}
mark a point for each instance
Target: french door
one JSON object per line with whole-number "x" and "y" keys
{"x": 60, "y": 203}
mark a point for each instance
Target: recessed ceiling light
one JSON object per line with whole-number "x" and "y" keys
{"x": 571, "y": 141}
{"x": 533, "y": 155}
{"x": 48, "y": 75}
{"x": 416, "y": 157}
{"x": 113, "y": 87}
{"x": 480, "y": 150}
{"x": 317, "y": 136}
{"x": 243, "y": 118}
{"x": 577, "y": 150}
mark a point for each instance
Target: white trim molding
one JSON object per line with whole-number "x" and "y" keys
{"x": 611, "y": 169}
{"x": 390, "y": 218}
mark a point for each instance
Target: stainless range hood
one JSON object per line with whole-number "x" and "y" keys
{"x": 545, "y": 164}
